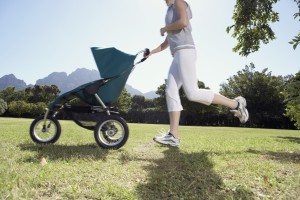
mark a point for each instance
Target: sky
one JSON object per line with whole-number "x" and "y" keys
{"x": 41, "y": 37}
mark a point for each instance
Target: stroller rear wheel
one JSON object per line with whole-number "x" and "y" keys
{"x": 111, "y": 132}
{"x": 45, "y": 133}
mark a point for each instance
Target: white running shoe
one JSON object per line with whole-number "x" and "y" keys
{"x": 241, "y": 112}
{"x": 167, "y": 139}
{"x": 163, "y": 133}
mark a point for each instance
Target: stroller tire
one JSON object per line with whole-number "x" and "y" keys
{"x": 111, "y": 132}
{"x": 45, "y": 135}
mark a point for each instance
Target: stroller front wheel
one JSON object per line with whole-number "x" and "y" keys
{"x": 45, "y": 133}
{"x": 111, "y": 132}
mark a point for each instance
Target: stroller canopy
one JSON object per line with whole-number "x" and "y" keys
{"x": 112, "y": 64}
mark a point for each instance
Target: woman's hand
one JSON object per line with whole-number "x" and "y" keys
{"x": 163, "y": 31}
{"x": 147, "y": 54}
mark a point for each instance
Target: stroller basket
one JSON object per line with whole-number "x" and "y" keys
{"x": 87, "y": 116}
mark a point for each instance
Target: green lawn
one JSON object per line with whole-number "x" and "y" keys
{"x": 211, "y": 163}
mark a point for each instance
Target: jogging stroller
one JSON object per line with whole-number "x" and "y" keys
{"x": 89, "y": 105}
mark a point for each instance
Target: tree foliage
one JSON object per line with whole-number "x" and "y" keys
{"x": 10, "y": 94}
{"x": 263, "y": 93}
{"x": 40, "y": 93}
{"x": 29, "y": 102}
{"x": 292, "y": 98}
{"x": 160, "y": 101}
{"x": 138, "y": 103}
{"x": 124, "y": 101}
{"x": 252, "y": 19}
{"x": 21, "y": 108}
{"x": 3, "y": 106}
{"x": 18, "y": 108}
{"x": 295, "y": 42}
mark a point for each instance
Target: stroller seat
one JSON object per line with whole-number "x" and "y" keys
{"x": 94, "y": 87}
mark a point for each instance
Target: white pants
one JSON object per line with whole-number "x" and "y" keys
{"x": 182, "y": 73}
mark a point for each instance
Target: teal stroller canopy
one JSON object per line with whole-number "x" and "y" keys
{"x": 114, "y": 67}
{"x": 112, "y": 62}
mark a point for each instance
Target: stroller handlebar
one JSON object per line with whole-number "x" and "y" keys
{"x": 146, "y": 53}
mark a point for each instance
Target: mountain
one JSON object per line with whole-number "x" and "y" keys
{"x": 11, "y": 80}
{"x": 66, "y": 82}
{"x": 150, "y": 95}
{"x": 133, "y": 91}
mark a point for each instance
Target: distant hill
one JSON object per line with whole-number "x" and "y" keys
{"x": 11, "y": 80}
{"x": 66, "y": 82}
{"x": 133, "y": 91}
{"x": 150, "y": 95}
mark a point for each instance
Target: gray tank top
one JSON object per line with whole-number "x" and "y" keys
{"x": 179, "y": 39}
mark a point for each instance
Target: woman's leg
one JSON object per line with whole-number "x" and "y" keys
{"x": 173, "y": 85}
{"x": 176, "y": 78}
{"x": 224, "y": 101}
{"x": 174, "y": 118}
{"x": 174, "y": 106}
{"x": 187, "y": 70}
{"x": 183, "y": 73}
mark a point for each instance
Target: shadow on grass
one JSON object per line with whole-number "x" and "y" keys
{"x": 182, "y": 175}
{"x": 293, "y": 157}
{"x": 291, "y": 139}
{"x": 65, "y": 152}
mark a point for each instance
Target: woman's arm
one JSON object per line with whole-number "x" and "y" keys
{"x": 160, "y": 48}
{"x": 180, "y": 6}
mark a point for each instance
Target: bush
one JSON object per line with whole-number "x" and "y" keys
{"x": 18, "y": 108}
{"x": 3, "y": 106}
{"x": 36, "y": 109}
{"x": 22, "y": 109}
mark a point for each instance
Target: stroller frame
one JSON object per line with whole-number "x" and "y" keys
{"x": 110, "y": 130}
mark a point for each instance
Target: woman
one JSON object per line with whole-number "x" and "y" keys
{"x": 182, "y": 72}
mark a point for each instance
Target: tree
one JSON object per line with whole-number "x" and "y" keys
{"x": 36, "y": 109}
{"x": 296, "y": 41}
{"x": 252, "y": 19}
{"x": 292, "y": 98}
{"x": 160, "y": 101}
{"x": 18, "y": 108}
{"x": 10, "y": 94}
{"x": 263, "y": 93}
{"x": 149, "y": 104}
{"x": 3, "y": 106}
{"x": 38, "y": 93}
{"x": 124, "y": 101}
{"x": 138, "y": 103}
{"x": 50, "y": 92}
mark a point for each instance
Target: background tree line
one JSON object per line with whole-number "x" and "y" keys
{"x": 273, "y": 102}
{"x": 30, "y": 102}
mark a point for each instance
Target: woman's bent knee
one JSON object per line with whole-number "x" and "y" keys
{"x": 203, "y": 96}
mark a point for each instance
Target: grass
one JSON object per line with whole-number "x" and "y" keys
{"x": 211, "y": 163}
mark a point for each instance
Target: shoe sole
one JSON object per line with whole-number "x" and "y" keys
{"x": 246, "y": 114}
